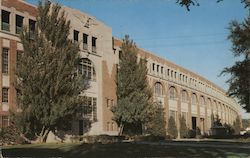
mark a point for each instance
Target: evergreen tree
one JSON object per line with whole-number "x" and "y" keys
{"x": 183, "y": 127}
{"x": 47, "y": 85}
{"x": 156, "y": 124}
{"x": 172, "y": 129}
{"x": 133, "y": 94}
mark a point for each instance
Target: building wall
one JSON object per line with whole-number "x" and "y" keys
{"x": 105, "y": 59}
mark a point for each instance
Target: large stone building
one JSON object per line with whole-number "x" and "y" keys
{"x": 178, "y": 90}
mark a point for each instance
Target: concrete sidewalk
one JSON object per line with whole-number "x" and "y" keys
{"x": 210, "y": 143}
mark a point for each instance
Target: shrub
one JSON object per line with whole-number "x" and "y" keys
{"x": 172, "y": 129}
{"x": 10, "y": 135}
{"x": 150, "y": 138}
{"x": 191, "y": 133}
{"x": 183, "y": 127}
{"x": 104, "y": 139}
{"x": 156, "y": 125}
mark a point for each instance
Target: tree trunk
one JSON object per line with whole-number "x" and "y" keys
{"x": 41, "y": 138}
{"x": 120, "y": 129}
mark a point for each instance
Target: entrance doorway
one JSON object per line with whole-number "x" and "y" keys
{"x": 194, "y": 123}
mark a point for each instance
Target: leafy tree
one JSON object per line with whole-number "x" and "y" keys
{"x": 133, "y": 94}
{"x": 188, "y": 3}
{"x": 156, "y": 124}
{"x": 47, "y": 85}
{"x": 239, "y": 81}
{"x": 183, "y": 127}
{"x": 237, "y": 125}
{"x": 245, "y": 123}
{"x": 172, "y": 129}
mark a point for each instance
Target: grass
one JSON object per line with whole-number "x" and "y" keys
{"x": 119, "y": 150}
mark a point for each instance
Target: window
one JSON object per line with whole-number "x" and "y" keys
{"x": 5, "y": 60}
{"x": 202, "y": 101}
{"x": 172, "y": 93}
{"x": 19, "y": 24}
{"x": 32, "y": 26}
{"x": 5, "y": 121}
{"x": 158, "y": 89}
{"x": 90, "y": 108}
{"x": 162, "y": 70}
{"x": 76, "y": 35}
{"x": 194, "y": 99}
{"x": 184, "y": 96}
{"x": 5, "y": 20}
{"x": 157, "y": 68}
{"x": 153, "y": 66}
{"x": 85, "y": 41}
{"x": 173, "y": 114}
{"x": 86, "y": 68}
{"x": 5, "y": 95}
{"x": 94, "y": 44}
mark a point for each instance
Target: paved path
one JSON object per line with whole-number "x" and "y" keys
{"x": 204, "y": 143}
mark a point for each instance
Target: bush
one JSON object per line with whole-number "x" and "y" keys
{"x": 150, "y": 138}
{"x": 10, "y": 136}
{"x": 183, "y": 127}
{"x": 191, "y": 133}
{"x": 172, "y": 129}
{"x": 104, "y": 139}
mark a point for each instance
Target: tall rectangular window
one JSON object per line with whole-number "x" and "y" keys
{"x": 5, "y": 20}
{"x": 94, "y": 44}
{"x": 5, "y": 95}
{"x": 32, "y": 26}
{"x": 5, "y": 60}
{"x": 76, "y": 35}
{"x": 85, "y": 41}
{"x": 19, "y": 24}
{"x": 5, "y": 121}
{"x": 90, "y": 108}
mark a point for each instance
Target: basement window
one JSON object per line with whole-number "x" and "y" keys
{"x": 5, "y": 20}
{"x": 19, "y": 24}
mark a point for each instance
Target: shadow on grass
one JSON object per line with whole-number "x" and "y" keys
{"x": 121, "y": 150}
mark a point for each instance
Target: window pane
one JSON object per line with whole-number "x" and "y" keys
{"x": 5, "y": 20}
{"x": 19, "y": 24}
{"x": 5, "y": 60}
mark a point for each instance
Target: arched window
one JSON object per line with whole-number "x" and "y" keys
{"x": 202, "y": 101}
{"x": 194, "y": 99}
{"x": 172, "y": 93}
{"x": 209, "y": 104}
{"x": 86, "y": 68}
{"x": 184, "y": 96}
{"x": 158, "y": 89}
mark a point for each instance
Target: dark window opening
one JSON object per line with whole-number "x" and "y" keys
{"x": 76, "y": 34}
{"x": 32, "y": 26}
{"x": 85, "y": 41}
{"x": 5, "y": 20}
{"x": 19, "y": 24}
{"x": 94, "y": 44}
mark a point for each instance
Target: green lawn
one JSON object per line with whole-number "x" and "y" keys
{"x": 119, "y": 150}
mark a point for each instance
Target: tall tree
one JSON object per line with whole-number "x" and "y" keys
{"x": 239, "y": 81}
{"x": 133, "y": 94}
{"x": 47, "y": 85}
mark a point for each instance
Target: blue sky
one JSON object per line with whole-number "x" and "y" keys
{"x": 196, "y": 40}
